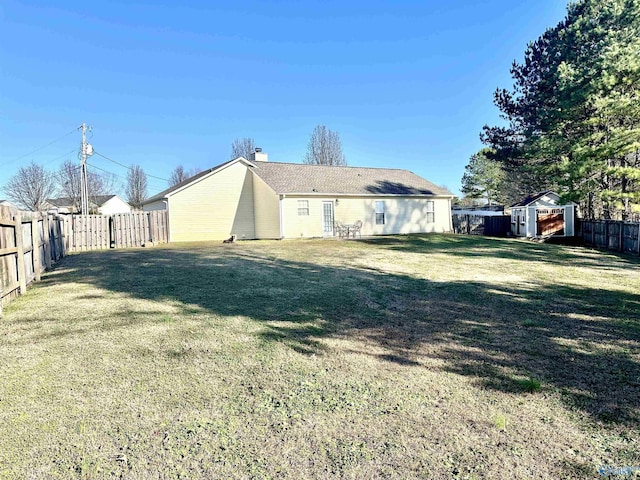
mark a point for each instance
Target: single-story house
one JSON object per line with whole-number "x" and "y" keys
{"x": 542, "y": 215}
{"x": 101, "y": 204}
{"x": 7, "y": 203}
{"x": 258, "y": 199}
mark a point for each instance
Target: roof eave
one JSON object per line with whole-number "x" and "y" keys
{"x": 333, "y": 194}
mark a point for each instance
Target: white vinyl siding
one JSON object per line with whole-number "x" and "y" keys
{"x": 402, "y": 215}
{"x": 215, "y": 207}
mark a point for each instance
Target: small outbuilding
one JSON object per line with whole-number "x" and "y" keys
{"x": 542, "y": 215}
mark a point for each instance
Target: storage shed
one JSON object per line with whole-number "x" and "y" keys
{"x": 542, "y": 215}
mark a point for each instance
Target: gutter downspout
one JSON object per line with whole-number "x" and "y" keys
{"x": 166, "y": 202}
{"x": 281, "y": 216}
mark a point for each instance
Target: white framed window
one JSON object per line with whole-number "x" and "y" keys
{"x": 303, "y": 208}
{"x": 379, "y": 212}
{"x": 431, "y": 213}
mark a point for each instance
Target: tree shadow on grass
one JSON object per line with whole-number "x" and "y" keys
{"x": 508, "y": 249}
{"x": 581, "y": 341}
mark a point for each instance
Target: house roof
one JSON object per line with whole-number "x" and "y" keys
{"x": 97, "y": 200}
{"x": 297, "y": 178}
{"x": 534, "y": 197}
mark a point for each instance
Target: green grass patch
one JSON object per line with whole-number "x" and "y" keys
{"x": 393, "y": 357}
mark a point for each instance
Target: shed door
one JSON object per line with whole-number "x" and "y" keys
{"x": 327, "y": 219}
{"x": 550, "y": 222}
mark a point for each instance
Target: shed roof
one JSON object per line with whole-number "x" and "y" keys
{"x": 534, "y": 197}
{"x": 97, "y": 200}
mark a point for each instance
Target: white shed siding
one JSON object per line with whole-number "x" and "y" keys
{"x": 569, "y": 215}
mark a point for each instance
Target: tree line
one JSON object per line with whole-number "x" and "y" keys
{"x": 33, "y": 185}
{"x": 572, "y": 116}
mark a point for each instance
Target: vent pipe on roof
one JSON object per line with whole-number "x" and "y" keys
{"x": 259, "y": 156}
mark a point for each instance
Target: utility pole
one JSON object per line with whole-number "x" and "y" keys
{"x": 86, "y": 151}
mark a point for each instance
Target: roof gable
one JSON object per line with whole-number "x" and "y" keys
{"x": 195, "y": 178}
{"x": 546, "y": 198}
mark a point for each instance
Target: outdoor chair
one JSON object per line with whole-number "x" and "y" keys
{"x": 341, "y": 230}
{"x": 355, "y": 229}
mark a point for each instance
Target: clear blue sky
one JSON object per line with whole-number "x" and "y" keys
{"x": 407, "y": 84}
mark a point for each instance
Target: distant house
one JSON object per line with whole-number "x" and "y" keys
{"x": 7, "y": 203}
{"x": 541, "y": 215}
{"x": 100, "y": 204}
{"x": 260, "y": 199}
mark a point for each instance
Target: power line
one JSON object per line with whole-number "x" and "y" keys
{"x": 59, "y": 157}
{"x": 38, "y": 149}
{"x": 120, "y": 176}
{"x": 127, "y": 166}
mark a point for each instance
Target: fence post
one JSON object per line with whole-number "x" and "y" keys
{"x": 35, "y": 245}
{"x": 22, "y": 274}
{"x": 621, "y": 237}
{"x": 47, "y": 242}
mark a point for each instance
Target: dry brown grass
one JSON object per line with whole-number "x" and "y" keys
{"x": 408, "y": 357}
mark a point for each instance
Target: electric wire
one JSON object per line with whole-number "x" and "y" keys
{"x": 127, "y": 166}
{"x": 38, "y": 149}
{"x": 123, "y": 178}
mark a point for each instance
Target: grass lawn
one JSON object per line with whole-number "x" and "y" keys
{"x": 431, "y": 356}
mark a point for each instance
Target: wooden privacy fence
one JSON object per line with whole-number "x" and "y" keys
{"x": 100, "y": 232}
{"x": 495, "y": 225}
{"x": 32, "y": 242}
{"x": 612, "y": 234}
{"x": 29, "y": 244}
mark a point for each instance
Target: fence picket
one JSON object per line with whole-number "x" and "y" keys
{"x": 31, "y": 242}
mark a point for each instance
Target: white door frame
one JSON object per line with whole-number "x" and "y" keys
{"x": 327, "y": 233}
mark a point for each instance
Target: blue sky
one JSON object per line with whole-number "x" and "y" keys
{"x": 407, "y": 84}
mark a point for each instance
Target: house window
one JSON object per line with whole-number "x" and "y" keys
{"x": 379, "y": 213}
{"x": 303, "y": 208}
{"x": 431, "y": 214}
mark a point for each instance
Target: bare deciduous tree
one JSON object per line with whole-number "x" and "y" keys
{"x": 179, "y": 175}
{"x": 325, "y": 148}
{"x": 136, "y": 187}
{"x": 68, "y": 177}
{"x": 30, "y": 187}
{"x": 243, "y": 147}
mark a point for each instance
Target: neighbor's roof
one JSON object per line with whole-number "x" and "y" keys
{"x": 98, "y": 200}
{"x": 296, "y": 178}
{"x": 534, "y": 197}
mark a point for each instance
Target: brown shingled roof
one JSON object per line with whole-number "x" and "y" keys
{"x": 296, "y": 178}
{"x": 299, "y": 178}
